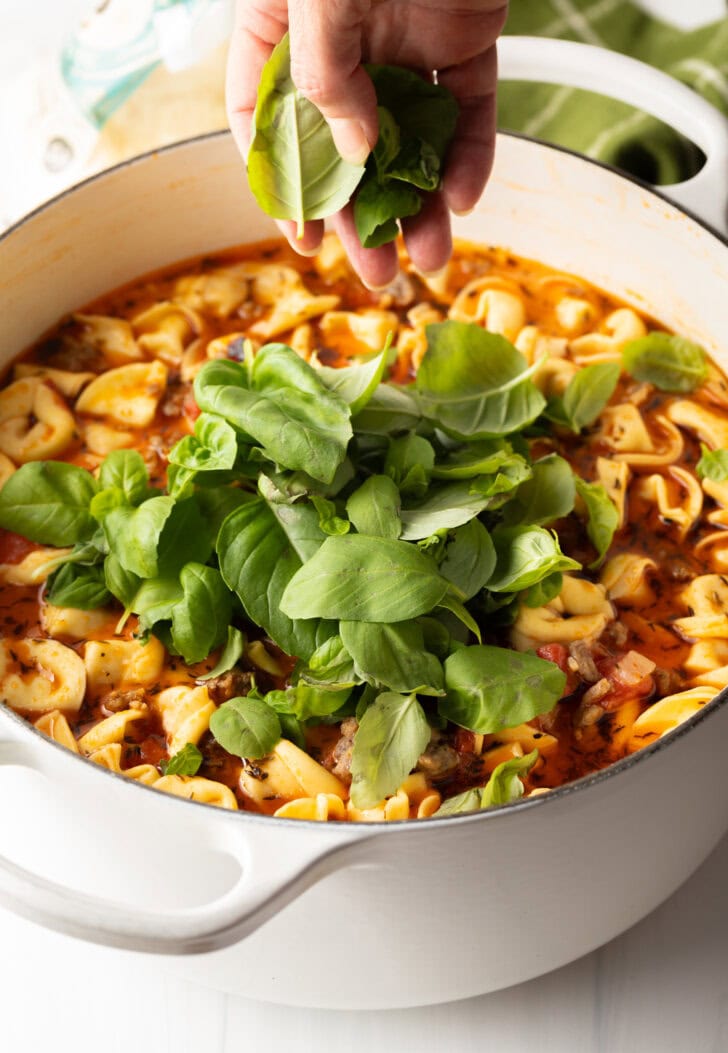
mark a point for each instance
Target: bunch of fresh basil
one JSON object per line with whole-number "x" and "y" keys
{"x": 294, "y": 169}
{"x": 370, "y": 530}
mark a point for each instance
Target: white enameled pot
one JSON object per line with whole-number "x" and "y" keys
{"x": 379, "y": 915}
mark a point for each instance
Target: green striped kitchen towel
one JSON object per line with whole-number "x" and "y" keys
{"x": 602, "y": 128}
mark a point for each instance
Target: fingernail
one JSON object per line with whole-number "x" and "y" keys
{"x": 375, "y": 288}
{"x": 350, "y": 140}
{"x": 462, "y": 211}
{"x": 433, "y": 275}
{"x": 305, "y": 252}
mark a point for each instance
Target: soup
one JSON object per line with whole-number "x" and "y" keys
{"x": 275, "y": 542}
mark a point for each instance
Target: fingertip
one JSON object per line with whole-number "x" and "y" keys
{"x": 310, "y": 242}
{"x": 377, "y": 268}
{"x": 427, "y": 236}
{"x": 350, "y": 139}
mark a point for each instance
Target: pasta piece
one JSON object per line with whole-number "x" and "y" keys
{"x": 706, "y": 656}
{"x": 414, "y": 799}
{"x": 195, "y": 788}
{"x": 667, "y": 714}
{"x": 111, "y": 663}
{"x": 74, "y": 623}
{"x": 69, "y": 384}
{"x": 6, "y": 469}
{"x": 626, "y": 579}
{"x": 322, "y": 807}
{"x": 498, "y": 754}
{"x": 35, "y": 423}
{"x": 331, "y": 261}
{"x": 574, "y": 314}
{"x": 684, "y": 513}
{"x": 112, "y": 729}
{"x": 302, "y": 341}
{"x": 527, "y": 737}
{"x": 719, "y": 493}
{"x": 707, "y": 597}
{"x": 218, "y": 292}
{"x": 282, "y": 289}
{"x": 358, "y": 332}
{"x": 614, "y": 477}
{"x": 101, "y": 439}
{"x": 533, "y": 344}
{"x": 711, "y": 428}
{"x": 109, "y": 757}
{"x": 112, "y": 337}
{"x": 38, "y": 676}
{"x": 165, "y": 329}
{"x": 185, "y": 713}
{"x": 34, "y": 568}
{"x": 497, "y": 310}
{"x": 289, "y": 773}
{"x": 620, "y": 327}
{"x": 623, "y": 429}
{"x": 55, "y": 725}
{"x": 412, "y": 340}
{"x": 580, "y": 612}
{"x": 554, "y": 375}
{"x": 128, "y": 395}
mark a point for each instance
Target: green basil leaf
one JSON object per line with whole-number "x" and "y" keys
{"x": 378, "y": 206}
{"x": 387, "y": 145}
{"x": 329, "y": 521}
{"x": 469, "y": 559}
{"x": 48, "y": 502}
{"x": 392, "y": 734}
{"x": 186, "y": 761}
{"x": 121, "y": 583}
{"x": 445, "y": 508}
{"x": 544, "y": 591}
{"x": 305, "y": 702}
{"x": 409, "y": 462}
{"x": 217, "y": 503}
{"x": 393, "y": 656}
{"x": 487, "y": 457}
{"x": 281, "y": 402}
{"x": 246, "y": 727}
{"x": 126, "y": 470}
{"x": 475, "y": 384}
{"x": 366, "y": 579}
{"x": 214, "y": 446}
{"x": 549, "y": 494}
{"x": 713, "y": 464}
{"x": 467, "y": 801}
{"x": 504, "y": 784}
{"x": 259, "y": 555}
{"x": 294, "y": 169}
{"x": 588, "y": 392}
{"x": 603, "y": 517}
{"x": 357, "y": 383}
{"x": 670, "y": 362}
{"x": 158, "y": 537}
{"x": 416, "y": 163}
{"x": 331, "y": 664}
{"x": 421, "y": 109}
{"x": 106, "y": 501}
{"x": 489, "y": 688}
{"x": 461, "y": 612}
{"x": 524, "y": 556}
{"x": 75, "y": 585}
{"x": 374, "y": 508}
{"x": 200, "y": 618}
{"x": 230, "y": 655}
{"x": 389, "y": 410}
{"x": 155, "y": 601}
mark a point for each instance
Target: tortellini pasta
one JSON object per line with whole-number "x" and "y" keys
{"x": 35, "y": 423}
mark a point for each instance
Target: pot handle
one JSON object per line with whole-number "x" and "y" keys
{"x": 628, "y": 80}
{"x": 267, "y": 883}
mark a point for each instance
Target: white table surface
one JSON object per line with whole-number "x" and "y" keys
{"x": 663, "y": 986}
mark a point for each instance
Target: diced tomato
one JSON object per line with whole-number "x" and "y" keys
{"x": 611, "y": 668}
{"x": 464, "y": 741}
{"x": 14, "y": 547}
{"x": 559, "y": 655}
{"x": 190, "y": 408}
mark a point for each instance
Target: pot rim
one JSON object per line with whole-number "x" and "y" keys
{"x": 586, "y": 782}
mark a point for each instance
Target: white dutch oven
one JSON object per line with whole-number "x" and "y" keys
{"x": 375, "y": 915}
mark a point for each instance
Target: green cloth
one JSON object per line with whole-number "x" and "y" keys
{"x": 602, "y": 128}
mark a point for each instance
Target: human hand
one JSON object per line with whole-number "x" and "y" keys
{"x": 329, "y": 41}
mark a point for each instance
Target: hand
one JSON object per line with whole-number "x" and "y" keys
{"x": 329, "y": 41}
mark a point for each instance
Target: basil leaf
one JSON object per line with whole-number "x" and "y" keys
{"x": 603, "y": 517}
{"x": 486, "y": 457}
{"x": 246, "y": 727}
{"x": 670, "y": 362}
{"x": 294, "y": 169}
{"x": 588, "y": 392}
{"x": 467, "y": 801}
{"x": 374, "y": 508}
{"x": 329, "y": 522}
{"x": 469, "y": 559}
{"x": 356, "y": 384}
{"x": 214, "y": 446}
{"x": 393, "y": 655}
{"x": 126, "y": 470}
{"x": 186, "y": 761}
{"x": 158, "y": 537}
{"x": 377, "y": 207}
{"x": 259, "y": 555}
{"x": 121, "y": 583}
{"x": 365, "y": 579}
{"x": 392, "y": 734}
{"x": 544, "y": 591}
{"x": 229, "y": 656}
{"x": 461, "y": 612}
{"x": 200, "y": 618}
{"x": 155, "y": 601}
{"x": 489, "y": 688}
{"x": 416, "y": 163}
{"x": 445, "y": 508}
{"x": 421, "y": 109}
{"x": 713, "y": 464}
{"x": 107, "y": 501}
{"x": 504, "y": 784}
{"x": 75, "y": 585}
{"x": 304, "y": 702}
{"x": 389, "y": 410}
{"x": 331, "y": 664}
{"x": 387, "y": 145}
{"x": 475, "y": 384}
{"x": 409, "y": 462}
{"x": 48, "y": 502}
{"x": 280, "y": 402}
{"x": 525, "y": 556}
{"x": 548, "y": 495}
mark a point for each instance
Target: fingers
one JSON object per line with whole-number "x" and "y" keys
{"x": 326, "y": 37}
{"x": 470, "y": 157}
{"x": 310, "y": 243}
{"x": 257, "y": 29}
{"x": 376, "y": 267}
{"x": 427, "y": 235}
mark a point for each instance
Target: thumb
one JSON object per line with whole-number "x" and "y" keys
{"x": 326, "y": 68}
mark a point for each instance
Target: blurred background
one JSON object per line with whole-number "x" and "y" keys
{"x": 87, "y": 83}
